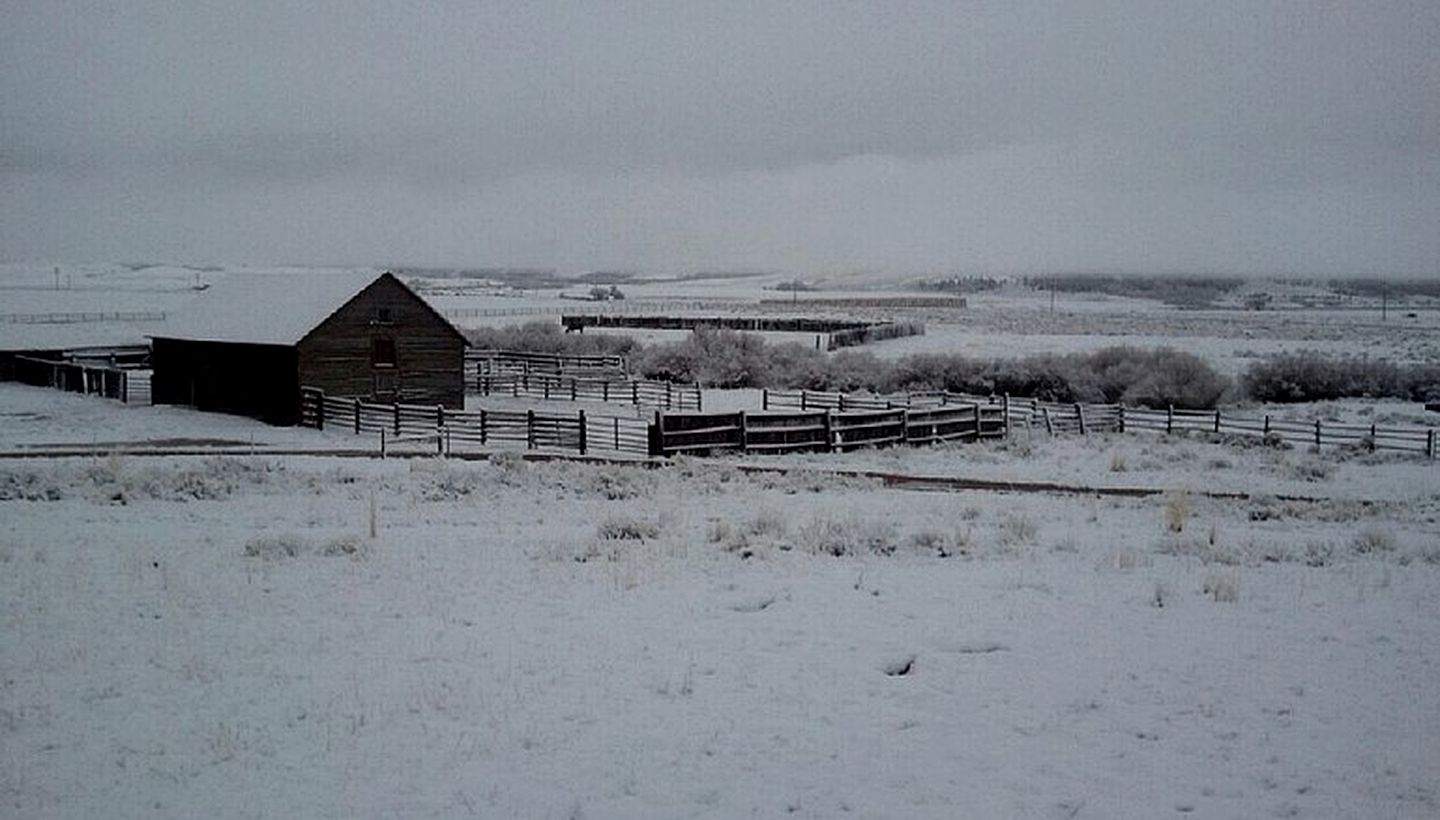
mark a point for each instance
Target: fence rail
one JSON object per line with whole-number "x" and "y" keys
{"x": 78, "y": 318}
{"x": 640, "y": 393}
{"x": 821, "y": 430}
{"x": 495, "y": 362}
{"x": 1059, "y": 418}
{"x": 129, "y": 385}
{"x": 838, "y": 332}
{"x": 445, "y": 428}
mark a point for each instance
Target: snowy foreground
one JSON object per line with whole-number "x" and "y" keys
{"x": 224, "y": 636}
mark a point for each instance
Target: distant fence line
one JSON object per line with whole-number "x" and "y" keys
{"x": 639, "y": 392}
{"x": 951, "y": 302}
{"x": 77, "y": 318}
{"x": 1062, "y": 418}
{"x": 840, "y": 332}
{"x": 607, "y": 307}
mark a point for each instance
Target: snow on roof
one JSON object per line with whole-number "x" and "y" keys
{"x": 266, "y": 308}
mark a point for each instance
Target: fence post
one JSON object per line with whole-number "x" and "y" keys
{"x": 1170, "y": 418}
{"x": 1049, "y": 429}
{"x": 802, "y": 400}
{"x": 832, "y": 443}
{"x": 1005, "y": 407}
{"x": 842, "y": 402}
{"x": 397, "y": 417}
{"x": 605, "y": 390}
{"x": 582, "y": 433}
{"x": 574, "y": 385}
{"x": 1080, "y": 417}
{"x": 1267, "y": 425}
{"x": 744, "y": 434}
{"x": 1372, "y": 438}
{"x": 657, "y": 435}
{"x": 382, "y": 443}
{"x": 765, "y": 399}
{"x": 699, "y": 400}
{"x": 1430, "y": 443}
{"x": 635, "y": 393}
{"x": 357, "y": 417}
{"x": 320, "y": 410}
{"x": 669, "y": 392}
{"x": 1120, "y": 419}
{"x": 530, "y": 429}
{"x": 616, "y": 421}
{"x": 978, "y": 429}
{"x": 1217, "y": 419}
{"x": 439, "y": 416}
{"x": 1317, "y": 432}
{"x": 482, "y": 428}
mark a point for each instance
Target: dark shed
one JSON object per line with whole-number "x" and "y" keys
{"x": 252, "y": 341}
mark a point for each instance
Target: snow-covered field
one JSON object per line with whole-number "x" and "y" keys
{"x": 272, "y": 636}
{"x": 225, "y": 636}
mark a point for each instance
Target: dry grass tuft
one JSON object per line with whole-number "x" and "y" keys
{"x": 1177, "y": 510}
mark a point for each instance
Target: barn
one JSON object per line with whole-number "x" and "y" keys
{"x": 250, "y": 343}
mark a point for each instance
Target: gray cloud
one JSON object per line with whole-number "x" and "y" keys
{"x": 1245, "y": 136}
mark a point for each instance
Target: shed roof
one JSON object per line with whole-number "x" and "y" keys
{"x": 266, "y": 308}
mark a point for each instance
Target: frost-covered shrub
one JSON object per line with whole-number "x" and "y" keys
{"x": 854, "y": 536}
{"x": 1017, "y": 529}
{"x": 290, "y": 545}
{"x": 627, "y": 528}
{"x": 549, "y": 337}
{"x": 1177, "y": 511}
{"x": 1371, "y": 541}
{"x": 272, "y": 547}
{"x": 1311, "y": 376}
{"x": 1222, "y": 587}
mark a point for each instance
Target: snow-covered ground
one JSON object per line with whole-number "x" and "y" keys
{"x": 224, "y": 635}
{"x": 314, "y": 636}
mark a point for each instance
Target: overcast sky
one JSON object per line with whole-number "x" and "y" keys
{"x": 1298, "y": 137}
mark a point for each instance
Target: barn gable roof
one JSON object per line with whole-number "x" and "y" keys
{"x": 273, "y": 308}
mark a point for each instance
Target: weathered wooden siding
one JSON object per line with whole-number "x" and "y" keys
{"x": 429, "y": 354}
{"x": 248, "y": 379}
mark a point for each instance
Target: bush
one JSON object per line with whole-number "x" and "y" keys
{"x": 549, "y": 337}
{"x": 724, "y": 358}
{"x": 1312, "y": 376}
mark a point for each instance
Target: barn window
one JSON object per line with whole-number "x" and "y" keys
{"x": 382, "y": 352}
{"x": 382, "y": 316}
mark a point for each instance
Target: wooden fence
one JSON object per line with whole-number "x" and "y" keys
{"x": 874, "y": 333}
{"x": 129, "y": 385}
{"x": 821, "y": 430}
{"x": 497, "y": 362}
{"x": 1062, "y": 419}
{"x": 444, "y": 429}
{"x": 641, "y": 393}
{"x": 838, "y": 332}
{"x": 78, "y": 318}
